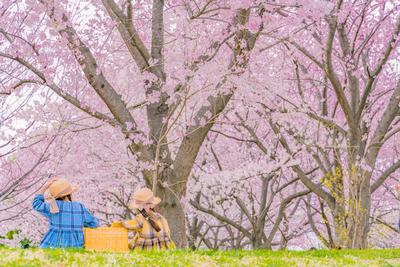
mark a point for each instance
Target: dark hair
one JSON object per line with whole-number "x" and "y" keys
{"x": 64, "y": 197}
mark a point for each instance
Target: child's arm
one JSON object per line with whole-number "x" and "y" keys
{"x": 39, "y": 205}
{"x": 165, "y": 226}
{"x": 88, "y": 219}
{"x": 46, "y": 186}
{"x": 134, "y": 224}
{"x": 38, "y": 202}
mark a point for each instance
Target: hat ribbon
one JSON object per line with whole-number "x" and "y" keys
{"x": 52, "y": 200}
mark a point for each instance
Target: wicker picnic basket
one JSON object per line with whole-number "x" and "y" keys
{"x": 113, "y": 239}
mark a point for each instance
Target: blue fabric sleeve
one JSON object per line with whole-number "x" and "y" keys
{"x": 88, "y": 219}
{"x": 39, "y": 205}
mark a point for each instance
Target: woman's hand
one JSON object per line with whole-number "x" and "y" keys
{"x": 152, "y": 214}
{"x": 116, "y": 224}
{"x": 46, "y": 186}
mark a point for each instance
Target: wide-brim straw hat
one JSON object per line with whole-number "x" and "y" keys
{"x": 142, "y": 197}
{"x": 59, "y": 188}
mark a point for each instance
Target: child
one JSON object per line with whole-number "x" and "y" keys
{"x": 66, "y": 217}
{"x": 152, "y": 230}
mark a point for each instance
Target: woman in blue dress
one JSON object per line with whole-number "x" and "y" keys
{"x": 66, "y": 217}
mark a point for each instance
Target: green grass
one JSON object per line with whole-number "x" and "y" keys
{"x": 58, "y": 257}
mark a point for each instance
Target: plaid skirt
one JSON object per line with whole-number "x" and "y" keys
{"x": 157, "y": 243}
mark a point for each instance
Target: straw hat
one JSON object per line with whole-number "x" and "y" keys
{"x": 143, "y": 197}
{"x": 59, "y": 188}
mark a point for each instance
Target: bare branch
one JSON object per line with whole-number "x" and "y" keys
{"x": 220, "y": 217}
{"x": 391, "y": 111}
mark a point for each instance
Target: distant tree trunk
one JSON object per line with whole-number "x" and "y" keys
{"x": 359, "y": 211}
{"x": 341, "y": 237}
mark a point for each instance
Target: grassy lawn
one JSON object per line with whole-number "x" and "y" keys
{"x": 39, "y": 257}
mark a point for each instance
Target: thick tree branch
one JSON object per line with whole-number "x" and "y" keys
{"x": 317, "y": 189}
{"x": 221, "y": 218}
{"x": 279, "y": 218}
{"x": 391, "y": 111}
{"x": 374, "y": 74}
{"x": 332, "y": 76}
{"x": 382, "y": 178}
{"x": 389, "y": 48}
{"x": 157, "y": 36}
{"x": 312, "y": 223}
{"x": 90, "y": 68}
{"x": 66, "y": 96}
{"x": 329, "y": 123}
{"x": 349, "y": 68}
{"x": 307, "y": 54}
{"x": 131, "y": 38}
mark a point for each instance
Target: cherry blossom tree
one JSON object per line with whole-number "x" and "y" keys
{"x": 50, "y": 46}
{"x": 343, "y": 75}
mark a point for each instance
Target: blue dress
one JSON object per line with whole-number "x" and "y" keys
{"x": 66, "y": 226}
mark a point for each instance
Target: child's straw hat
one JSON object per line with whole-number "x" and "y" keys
{"x": 59, "y": 188}
{"x": 143, "y": 197}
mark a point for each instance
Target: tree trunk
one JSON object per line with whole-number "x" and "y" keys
{"x": 257, "y": 240}
{"x": 171, "y": 208}
{"x": 359, "y": 211}
{"x": 352, "y": 225}
{"x": 173, "y": 212}
{"x": 340, "y": 226}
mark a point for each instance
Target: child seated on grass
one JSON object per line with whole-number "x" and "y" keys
{"x": 66, "y": 217}
{"x": 152, "y": 230}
